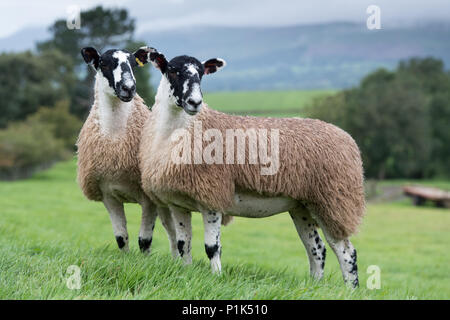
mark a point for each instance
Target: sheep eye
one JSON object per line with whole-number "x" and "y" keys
{"x": 173, "y": 75}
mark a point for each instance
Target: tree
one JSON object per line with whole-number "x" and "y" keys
{"x": 428, "y": 71}
{"x": 398, "y": 118}
{"x": 435, "y": 82}
{"x": 100, "y": 28}
{"x": 440, "y": 119}
{"x": 29, "y": 80}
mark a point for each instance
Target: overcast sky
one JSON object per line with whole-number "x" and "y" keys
{"x": 165, "y": 14}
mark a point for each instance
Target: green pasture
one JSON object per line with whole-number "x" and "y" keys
{"x": 263, "y": 103}
{"x": 46, "y": 225}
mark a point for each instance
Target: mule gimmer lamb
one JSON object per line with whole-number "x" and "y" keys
{"x": 108, "y": 145}
{"x": 319, "y": 179}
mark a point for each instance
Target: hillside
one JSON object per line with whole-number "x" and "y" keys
{"x": 321, "y": 56}
{"x": 333, "y": 55}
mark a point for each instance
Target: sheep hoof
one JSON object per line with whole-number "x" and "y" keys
{"x": 122, "y": 242}
{"x": 144, "y": 245}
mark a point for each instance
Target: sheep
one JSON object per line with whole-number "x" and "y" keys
{"x": 319, "y": 178}
{"x": 108, "y": 144}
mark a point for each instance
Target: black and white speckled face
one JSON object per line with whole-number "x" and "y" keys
{"x": 184, "y": 74}
{"x": 117, "y": 67}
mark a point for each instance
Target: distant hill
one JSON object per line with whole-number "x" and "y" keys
{"x": 333, "y": 55}
{"x": 23, "y": 39}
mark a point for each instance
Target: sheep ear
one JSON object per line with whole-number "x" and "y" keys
{"x": 91, "y": 56}
{"x": 158, "y": 59}
{"x": 141, "y": 56}
{"x": 213, "y": 65}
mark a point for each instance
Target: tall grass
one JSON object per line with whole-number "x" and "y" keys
{"x": 46, "y": 225}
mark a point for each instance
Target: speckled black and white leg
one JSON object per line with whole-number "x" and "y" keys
{"x": 183, "y": 229}
{"x": 167, "y": 221}
{"x": 315, "y": 248}
{"x": 212, "y": 221}
{"x": 147, "y": 226}
{"x": 346, "y": 254}
{"x": 118, "y": 220}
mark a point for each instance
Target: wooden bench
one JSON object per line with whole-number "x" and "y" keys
{"x": 441, "y": 198}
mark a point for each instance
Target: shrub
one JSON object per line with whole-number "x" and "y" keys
{"x": 26, "y": 147}
{"x": 63, "y": 125}
{"x": 43, "y": 138}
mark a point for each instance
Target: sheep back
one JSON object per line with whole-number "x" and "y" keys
{"x": 319, "y": 165}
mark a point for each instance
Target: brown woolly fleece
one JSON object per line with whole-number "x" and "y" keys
{"x": 101, "y": 158}
{"x": 320, "y": 165}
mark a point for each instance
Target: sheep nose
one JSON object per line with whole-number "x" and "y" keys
{"x": 194, "y": 103}
{"x": 129, "y": 88}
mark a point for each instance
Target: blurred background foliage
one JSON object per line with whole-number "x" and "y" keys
{"x": 399, "y": 118}
{"x": 43, "y": 138}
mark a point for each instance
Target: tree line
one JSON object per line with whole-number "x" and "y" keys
{"x": 400, "y": 119}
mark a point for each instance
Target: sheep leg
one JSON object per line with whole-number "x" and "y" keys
{"x": 168, "y": 224}
{"x": 183, "y": 229}
{"x": 212, "y": 221}
{"x": 118, "y": 220}
{"x": 346, "y": 254}
{"x": 147, "y": 226}
{"x": 315, "y": 248}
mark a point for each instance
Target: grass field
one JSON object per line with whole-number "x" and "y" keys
{"x": 46, "y": 225}
{"x": 264, "y": 103}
